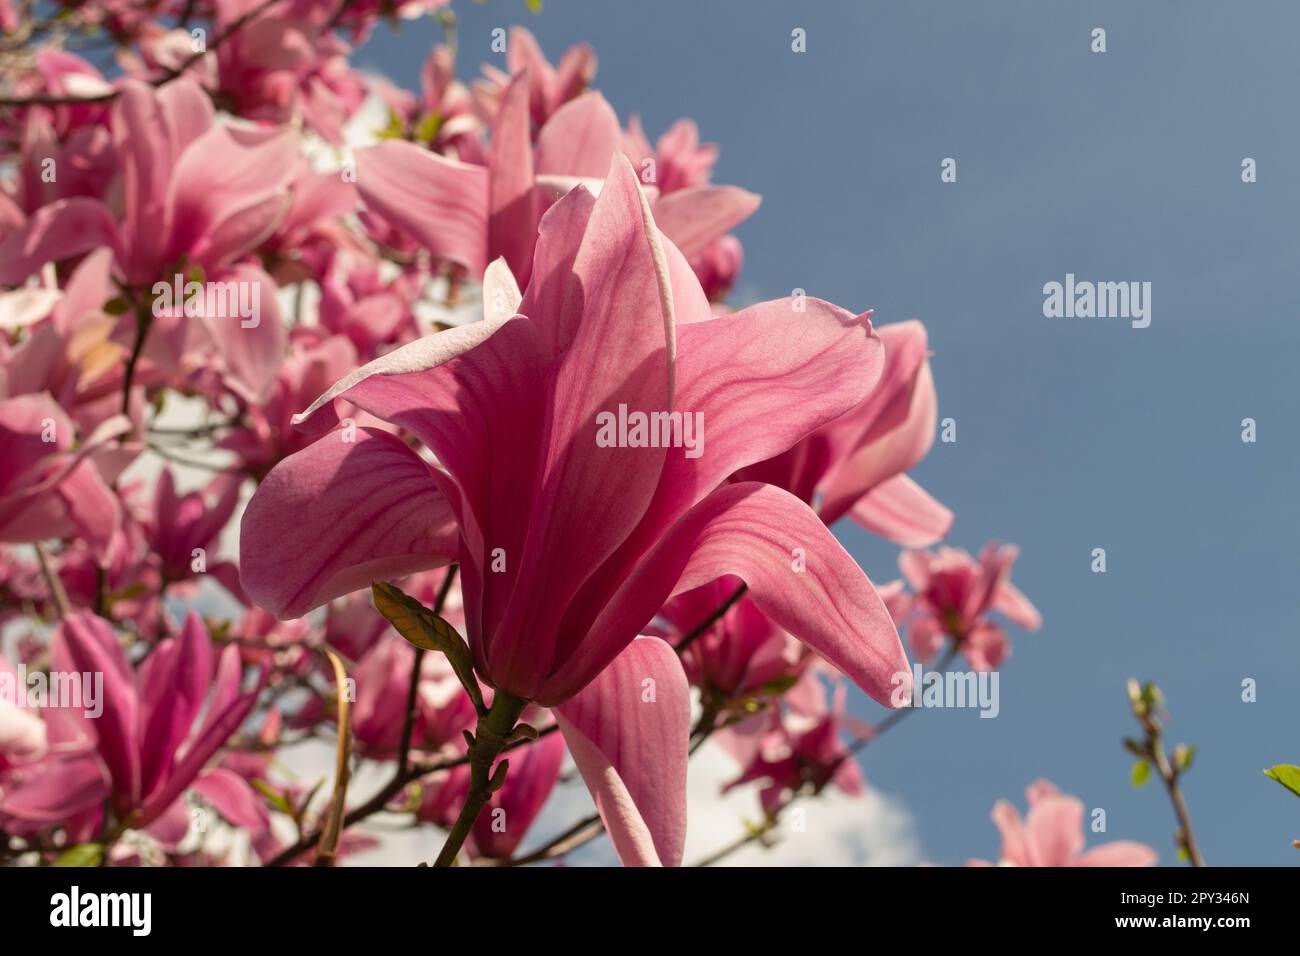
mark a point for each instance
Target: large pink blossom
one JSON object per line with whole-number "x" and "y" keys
{"x": 510, "y": 406}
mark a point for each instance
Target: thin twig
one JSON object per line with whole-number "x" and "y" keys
{"x": 55, "y": 584}
{"x": 412, "y": 690}
{"x": 759, "y": 833}
{"x": 712, "y": 619}
{"x": 1146, "y": 703}
{"x": 170, "y": 74}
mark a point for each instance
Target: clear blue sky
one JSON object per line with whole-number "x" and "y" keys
{"x": 1072, "y": 433}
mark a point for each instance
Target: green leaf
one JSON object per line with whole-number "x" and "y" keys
{"x": 277, "y": 799}
{"x": 117, "y": 306}
{"x": 83, "y": 854}
{"x": 1141, "y": 773}
{"x": 1287, "y": 775}
{"x": 423, "y": 628}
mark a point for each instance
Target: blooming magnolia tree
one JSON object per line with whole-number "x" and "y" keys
{"x": 520, "y": 492}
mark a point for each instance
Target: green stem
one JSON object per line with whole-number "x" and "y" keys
{"x": 491, "y": 736}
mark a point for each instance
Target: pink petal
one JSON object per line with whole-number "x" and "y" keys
{"x": 418, "y": 356}
{"x": 926, "y": 637}
{"x": 892, "y": 430}
{"x": 237, "y": 802}
{"x": 559, "y": 237}
{"x": 915, "y": 566}
{"x": 1118, "y": 853}
{"x": 22, "y": 732}
{"x": 1016, "y": 847}
{"x": 760, "y": 534}
{"x": 579, "y": 139}
{"x": 986, "y": 646}
{"x": 759, "y": 381}
{"x": 252, "y": 353}
{"x": 628, "y": 732}
{"x": 524, "y": 55}
{"x": 58, "y": 231}
{"x": 763, "y": 379}
{"x": 228, "y": 195}
{"x": 337, "y": 515}
{"x": 1054, "y": 827}
{"x": 438, "y": 202}
{"x": 146, "y": 135}
{"x": 573, "y": 73}
{"x": 173, "y": 684}
{"x": 91, "y": 505}
{"x": 55, "y": 790}
{"x": 84, "y": 643}
{"x": 512, "y": 202}
{"x": 901, "y": 511}
{"x": 1018, "y": 609}
{"x": 695, "y": 216}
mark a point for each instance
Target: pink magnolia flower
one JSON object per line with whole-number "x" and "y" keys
{"x": 796, "y": 748}
{"x": 718, "y": 265}
{"x": 954, "y": 594}
{"x": 680, "y": 168}
{"x": 308, "y": 369}
{"x": 48, "y": 489}
{"x": 183, "y": 530}
{"x": 510, "y": 406}
{"x": 69, "y": 351}
{"x": 549, "y": 87}
{"x": 192, "y": 190}
{"x": 371, "y": 310}
{"x": 741, "y": 655}
{"x": 195, "y": 194}
{"x": 159, "y": 726}
{"x": 124, "y": 581}
{"x": 443, "y": 116}
{"x": 1052, "y": 834}
{"x": 857, "y": 464}
{"x": 284, "y": 63}
{"x": 60, "y": 73}
{"x": 679, "y": 158}
{"x": 470, "y": 215}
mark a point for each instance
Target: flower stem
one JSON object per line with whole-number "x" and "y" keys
{"x": 490, "y": 737}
